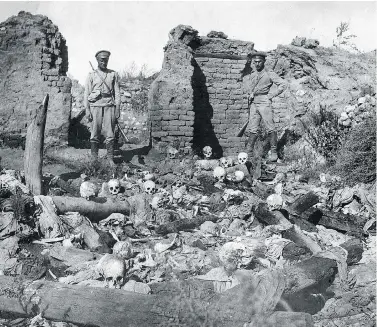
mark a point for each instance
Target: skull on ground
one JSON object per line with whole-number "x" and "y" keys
{"x": 88, "y": 190}
{"x": 113, "y": 269}
{"x": 149, "y": 187}
{"x": 242, "y": 158}
{"x": 219, "y": 174}
{"x": 239, "y": 176}
{"x": 226, "y": 162}
{"x": 207, "y": 152}
{"x": 114, "y": 186}
{"x": 172, "y": 153}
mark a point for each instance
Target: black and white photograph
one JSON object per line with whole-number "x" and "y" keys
{"x": 188, "y": 163}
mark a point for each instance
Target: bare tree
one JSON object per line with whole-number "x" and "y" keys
{"x": 343, "y": 38}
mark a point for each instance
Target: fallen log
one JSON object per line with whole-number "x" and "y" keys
{"x": 95, "y": 209}
{"x": 303, "y": 203}
{"x": 184, "y": 224}
{"x": 33, "y": 157}
{"x": 191, "y": 302}
{"x": 346, "y": 223}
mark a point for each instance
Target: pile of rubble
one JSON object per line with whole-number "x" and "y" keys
{"x": 196, "y": 218}
{"x": 354, "y": 114}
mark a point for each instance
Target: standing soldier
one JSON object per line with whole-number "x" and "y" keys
{"x": 102, "y": 104}
{"x": 258, "y": 86}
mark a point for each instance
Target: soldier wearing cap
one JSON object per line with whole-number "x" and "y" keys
{"x": 102, "y": 104}
{"x": 258, "y": 89}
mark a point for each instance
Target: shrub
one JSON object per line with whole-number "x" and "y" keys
{"x": 324, "y": 133}
{"x": 356, "y": 160}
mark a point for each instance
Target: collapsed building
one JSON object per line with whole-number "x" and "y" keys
{"x": 198, "y": 96}
{"x": 34, "y": 62}
{"x": 198, "y": 100}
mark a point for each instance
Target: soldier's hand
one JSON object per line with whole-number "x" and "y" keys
{"x": 117, "y": 112}
{"x": 89, "y": 116}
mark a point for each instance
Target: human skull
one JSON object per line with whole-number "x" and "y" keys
{"x": 147, "y": 176}
{"x": 207, "y": 152}
{"x": 274, "y": 202}
{"x": 242, "y": 158}
{"x": 239, "y": 176}
{"x": 123, "y": 249}
{"x": 361, "y": 100}
{"x": 88, "y": 190}
{"x": 172, "y": 153}
{"x": 157, "y": 201}
{"x": 113, "y": 269}
{"x": 149, "y": 187}
{"x": 226, "y": 162}
{"x": 219, "y": 173}
{"x": 114, "y": 186}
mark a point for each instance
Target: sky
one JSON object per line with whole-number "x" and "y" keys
{"x": 137, "y": 31}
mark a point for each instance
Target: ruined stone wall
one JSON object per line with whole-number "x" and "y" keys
{"x": 213, "y": 114}
{"x": 220, "y": 104}
{"x": 34, "y": 62}
{"x": 171, "y": 95}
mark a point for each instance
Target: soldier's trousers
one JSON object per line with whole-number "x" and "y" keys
{"x": 260, "y": 109}
{"x": 105, "y": 116}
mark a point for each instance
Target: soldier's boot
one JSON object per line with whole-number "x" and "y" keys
{"x": 273, "y": 143}
{"x": 251, "y": 144}
{"x": 110, "y": 153}
{"x": 94, "y": 151}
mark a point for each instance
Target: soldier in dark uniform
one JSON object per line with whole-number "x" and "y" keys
{"x": 257, "y": 86}
{"x": 102, "y": 104}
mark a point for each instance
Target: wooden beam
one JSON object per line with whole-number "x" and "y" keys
{"x": 96, "y": 209}
{"x": 191, "y": 302}
{"x": 33, "y": 157}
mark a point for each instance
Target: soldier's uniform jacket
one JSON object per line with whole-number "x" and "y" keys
{"x": 263, "y": 81}
{"x": 96, "y": 92}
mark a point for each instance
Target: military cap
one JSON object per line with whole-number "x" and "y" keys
{"x": 103, "y": 54}
{"x": 258, "y": 54}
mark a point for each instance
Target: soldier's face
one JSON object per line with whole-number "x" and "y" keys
{"x": 102, "y": 62}
{"x": 258, "y": 63}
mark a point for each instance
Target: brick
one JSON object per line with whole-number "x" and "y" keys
{"x": 222, "y": 91}
{"x": 177, "y": 122}
{"x": 227, "y": 101}
{"x": 233, "y": 86}
{"x": 186, "y": 129}
{"x": 235, "y": 96}
{"x": 238, "y": 66}
{"x": 235, "y": 107}
{"x": 221, "y": 107}
{"x": 220, "y": 75}
{"x": 185, "y": 118}
{"x": 159, "y": 134}
{"x": 53, "y": 78}
{"x": 222, "y": 96}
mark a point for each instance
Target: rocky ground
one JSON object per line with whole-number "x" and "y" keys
{"x": 190, "y": 219}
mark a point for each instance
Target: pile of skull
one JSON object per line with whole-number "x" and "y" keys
{"x": 227, "y": 168}
{"x": 355, "y": 114}
{"x": 232, "y": 169}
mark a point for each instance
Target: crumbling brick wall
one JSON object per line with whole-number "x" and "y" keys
{"x": 34, "y": 59}
{"x": 212, "y": 105}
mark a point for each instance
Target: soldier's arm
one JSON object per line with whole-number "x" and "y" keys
{"x": 116, "y": 89}
{"x": 88, "y": 89}
{"x": 281, "y": 85}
